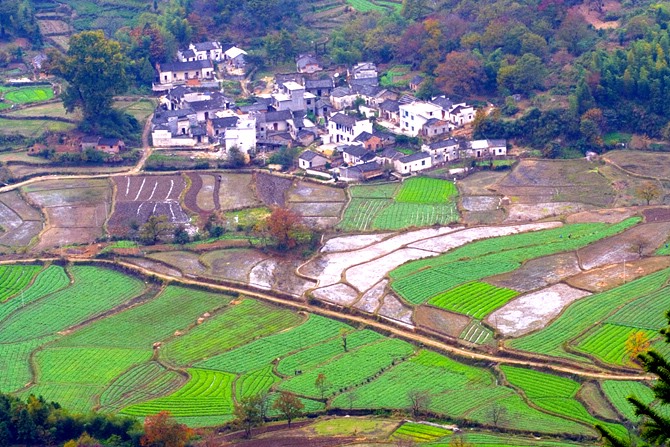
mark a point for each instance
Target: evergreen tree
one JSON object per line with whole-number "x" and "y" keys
{"x": 655, "y": 426}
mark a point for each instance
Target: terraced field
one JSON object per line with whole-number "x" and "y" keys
{"x": 417, "y": 202}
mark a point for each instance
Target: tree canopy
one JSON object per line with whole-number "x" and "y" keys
{"x": 95, "y": 69}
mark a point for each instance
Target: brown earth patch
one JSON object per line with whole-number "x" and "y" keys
{"x": 641, "y": 240}
{"x": 656, "y": 215}
{"x": 611, "y": 276}
{"x": 538, "y": 273}
{"x": 440, "y": 320}
{"x": 596, "y": 18}
{"x": 609, "y": 216}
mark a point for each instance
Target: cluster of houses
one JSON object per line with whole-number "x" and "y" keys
{"x": 336, "y": 110}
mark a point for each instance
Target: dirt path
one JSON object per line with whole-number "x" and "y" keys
{"x": 397, "y": 331}
{"x": 146, "y": 147}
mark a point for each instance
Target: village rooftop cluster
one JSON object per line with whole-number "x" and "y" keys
{"x": 349, "y": 122}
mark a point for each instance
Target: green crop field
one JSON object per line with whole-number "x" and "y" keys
{"x": 477, "y": 333}
{"x": 618, "y": 390}
{"x": 381, "y": 191}
{"x": 323, "y": 352}
{"x": 15, "y": 370}
{"x": 95, "y": 290}
{"x": 553, "y": 394}
{"x": 476, "y": 299}
{"x": 417, "y": 202}
{"x": 647, "y": 312}
{"x": 421, "y": 280}
{"x": 48, "y": 281}
{"x": 350, "y": 369}
{"x": 15, "y": 278}
{"x": 259, "y": 353}
{"x": 365, "y": 6}
{"x": 143, "y": 382}
{"x": 255, "y": 382}
{"x": 207, "y": 393}
{"x": 419, "y": 432}
{"x": 29, "y": 94}
{"x": 607, "y": 343}
{"x": 426, "y": 190}
{"x": 579, "y": 316}
{"x": 236, "y": 325}
{"x": 501, "y": 440}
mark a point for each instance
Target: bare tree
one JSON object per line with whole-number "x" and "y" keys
{"x": 289, "y": 406}
{"x": 419, "y": 401}
{"x": 497, "y": 414}
{"x": 638, "y": 245}
{"x": 648, "y": 191}
{"x": 459, "y": 441}
{"x": 321, "y": 384}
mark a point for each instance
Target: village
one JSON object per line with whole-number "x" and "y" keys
{"x": 351, "y": 128}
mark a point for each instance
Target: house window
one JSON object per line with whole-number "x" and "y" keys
{"x": 423, "y": 162}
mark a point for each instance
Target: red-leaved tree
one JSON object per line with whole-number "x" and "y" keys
{"x": 160, "y": 430}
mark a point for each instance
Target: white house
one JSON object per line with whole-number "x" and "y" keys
{"x": 462, "y": 114}
{"x": 354, "y": 155}
{"x": 363, "y": 70}
{"x": 415, "y": 115}
{"x": 486, "y": 148}
{"x": 344, "y": 128}
{"x": 201, "y": 51}
{"x": 444, "y": 150}
{"x": 311, "y": 160}
{"x": 413, "y": 163}
{"x": 179, "y": 72}
{"x": 235, "y": 57}
{"x": 243, "y": 135}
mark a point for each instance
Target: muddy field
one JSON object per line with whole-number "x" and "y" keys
{"x": 76, "y": 210}
{"x": 439, "y": 320}
{"x": 272, "y": 189}
{"x": 614, "y": 275}
{"x": 20, "y": 222}
{"x": 533, "y": 311}
{"x": 574, "y": 181}
{"x": 139, "y": 197}
{"x": 234, "y": 264}
{"x": 641, "y": 240}
{"x": 538, "y": 273}
{"x": 320, "y": 205}
{"x": 608, "y": 216}
{"x": 647, "y": 164}
{"x": 237, "y": 191}
{"x": 521, "y": 212}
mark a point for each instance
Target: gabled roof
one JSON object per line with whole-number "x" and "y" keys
{"x": 207, "y": 46}
{"x": 309, "y": 156}
{"x": 414, "y": 157}
{"x": 406, "y": 99}
{"x": 443, "y": 143}
{"x": 298, "y": 119}
{"x": 391, "y": 153}
{"x": 355, "y": 151}
{"x": 363, "y": 137}
{"x": 436, "y": 122}
{"x": 225, "y": 122}
{"x": 366, "y": 89}
{"x": 321, "y": 103}
{"x": 418, "y": 79}
{"x": 88, "y": 139}
{"x": 233, "y": 52}
{"x": 110, "y": 142}
{"x": 456, "y": 110}
{"x": 498, "y": 143}
{"x": 389, "y": 105}
{"x": 370, "y": 82}
{"x": 340, "y": 92}
{"x": 178, "y": 92}
{"x": 370, "y": 166}
{"x": 187, "y": 54}
{"x": 343, "y": 120}
{"x": 281, "y": 115}
{"x": 185, "y": 66}
{"x": 305, "y": 60}
{"x": 443, "y": 102}
{"x": 383, "y": 135}
{"x": 319, "y": 83}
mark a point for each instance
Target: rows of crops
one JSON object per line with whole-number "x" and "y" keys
{"x": 255, "y": 382}
{"x": 236, "y": 325}
{"x": 580, "y": 316}
{"x": 365, "y": 6}
{"x": 476, "y": 299}
{"x": 206, "y": 393}
{"x": 154, "y": 320}
{"x": 94, "y": 291}
{"x": 323, "y": 352}
{"x": 418, "y": 202}
{"x": 350, "y": 369}
{"x": 477, "y": 333}
{"x": 500, "y": 440}
{"x": 426, "y": 190}
{"x": 143, "y": 382}
{"x": 15, "y": 370}
{"x": 259, "y": 353}
{"x": 607, "y": 343}
{"x": 50, "y": 280}
{"x": 14, "y": 278}
{"x": 419, "y": 432}
{"x": 618, "y": 390}
{"x": 553, "y": 394}
{"x": 421, "y": 280}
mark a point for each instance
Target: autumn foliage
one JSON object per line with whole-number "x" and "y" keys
{"x": 284, "y": 227}
{"x": 160, "y": 430}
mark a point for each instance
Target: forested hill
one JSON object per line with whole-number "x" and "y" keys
{"x": 563, "y": 73}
